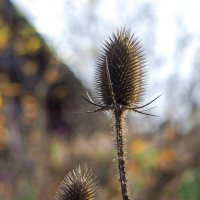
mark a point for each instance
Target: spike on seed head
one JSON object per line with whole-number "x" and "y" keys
{"x": 120, "y": 71}
{"x": 77, "y": 185}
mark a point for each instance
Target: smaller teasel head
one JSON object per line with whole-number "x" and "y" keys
{"x": 77, "y": 185}
{"x": 120, "y": 71}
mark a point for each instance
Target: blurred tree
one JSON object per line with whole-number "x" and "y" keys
{"x": 38, "y": 99}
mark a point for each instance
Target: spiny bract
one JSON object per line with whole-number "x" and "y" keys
{"x": 120, "y": 71}
{"x": 77, "y": 185}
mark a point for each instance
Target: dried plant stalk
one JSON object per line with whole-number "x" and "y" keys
{"x": 119, "y": 131}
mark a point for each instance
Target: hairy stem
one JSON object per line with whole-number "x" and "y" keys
{"x": 119, "y": 129}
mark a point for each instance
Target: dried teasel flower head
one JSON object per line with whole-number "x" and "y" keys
{"x": 120, "y": 74}
{"x": 120, "y": 71}
{"x": 78, "y": 185}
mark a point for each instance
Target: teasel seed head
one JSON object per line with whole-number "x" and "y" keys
{"x": 78, "y": 185}
{"x": 120, "y": 75}
{"x": 120, "y": 71}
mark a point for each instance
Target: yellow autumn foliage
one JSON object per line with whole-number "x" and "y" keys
{"x": 33, "y": 44}
{"x": 139, "y": 146}
{"x": 167, "y": 155}
{"x": 4, "y": 36}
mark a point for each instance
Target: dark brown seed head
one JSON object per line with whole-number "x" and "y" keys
{"x": 120, "y": 71}
{"x": 77, "y": 185}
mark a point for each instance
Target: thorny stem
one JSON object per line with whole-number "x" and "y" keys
{"x": 119, "y": 118}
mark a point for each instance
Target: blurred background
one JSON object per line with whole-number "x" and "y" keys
{"x": 47, "y": 60}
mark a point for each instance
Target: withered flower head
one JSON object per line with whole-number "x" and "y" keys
{"x": 120, "y": 75}
{"x": 77, "y": 185}
{"x": 120, "y": 71}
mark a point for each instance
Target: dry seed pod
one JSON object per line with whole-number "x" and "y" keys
{"x": 77, "y": 185}
{"x": 120, "y": 71}
{"x": 120, "y": 75}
